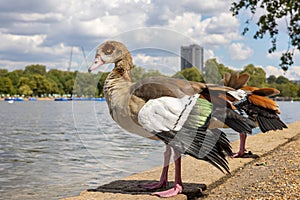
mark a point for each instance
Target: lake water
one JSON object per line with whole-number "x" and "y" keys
{"x": 50, "y": 150}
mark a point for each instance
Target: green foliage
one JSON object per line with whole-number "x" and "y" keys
{"x": 151, "y": 72}
{"x": 34, "y": 82}
{"x": 40, "y": 85}
{"x": 86, "y": 84}
{"x": 6, "y": 86}
{"x": 274, "y": 10}
{"x": 271, "y": 79}
{"x": 25, "y": 90}
{"x": 35, "y": 69}
{"x": 14, "y": 76}
{"x": 284, "y": 85}
{"x": 282, "y": 80}
{"x": 100, "y": 85}
{"x": 190, "y": 74}
{"x": 257, "y": 75}
{"x": 286, "y": 89}
{"x": 136, "y": 73}
{"x": 3, "y": 72}
{"x": 214, "y": 71}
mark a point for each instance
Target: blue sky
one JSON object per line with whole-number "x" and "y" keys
{"x": 44, "y": 32}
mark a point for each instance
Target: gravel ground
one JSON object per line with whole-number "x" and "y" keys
{"x": 272, "y": 176}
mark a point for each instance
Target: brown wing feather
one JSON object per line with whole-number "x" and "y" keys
{"x": 242, "y": 81}
{"x": 233, "y": 79}
{"x": 249, "y": 88}
{"x": 226, "y": 78}
{"x": 266, "y": 92}
{"x": 263, "y": 102}
{"x": 155, "y": 87}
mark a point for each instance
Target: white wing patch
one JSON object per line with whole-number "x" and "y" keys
{"x": 166, "y": 113}
{"x": 238, "y": 94}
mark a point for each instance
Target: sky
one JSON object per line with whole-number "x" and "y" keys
{"x": 47, "y": 32}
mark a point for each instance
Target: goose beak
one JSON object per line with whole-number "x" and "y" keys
{"x": 97, "y": 63}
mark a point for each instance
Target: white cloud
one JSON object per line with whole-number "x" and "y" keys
{"x": 271, "y": 70}
{"x": 46, "y": 32}
{"x": 211, "y": 32}
{"x": 222, "y": 23}
{"x": 292, "y": 74}
{"x": 20, "y": 42}
{"x": 239, "y": 51}
{"x": 168, "y": 65}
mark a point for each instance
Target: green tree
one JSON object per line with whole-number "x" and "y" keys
{"x": 287, "y": 89}
{"x": 6, "y": 86}
{"x": 268, "y": 23}
{"x": 55, "y": 75}
{"x": 24, "y": 81}
{"x": 64, "y": 80}
{"x": 151, "y": 72}
{"x": 3, "y": 72}
{"x": 14, "y": 77}
{"x": 137, "y": 73}
{"x": 40, "y": 85}
{"x": 190, "y": 74}
{"x": 214, "y": 71}
{"x": 68, "y": 86}
{"x": 35, "y": 69}
{"x": 257, "y": 75}
{"x": 271, "y": 79}
{"x": 100, "y": 85}
{"x": 86, "y": 84}
{"x": 25, "y": 90}
{"x": 282, "y": 80}
{"x": 68, "y": 81}
{"x": 53, "y": 89}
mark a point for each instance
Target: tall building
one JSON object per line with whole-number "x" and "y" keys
{"x": 192, "y": 56}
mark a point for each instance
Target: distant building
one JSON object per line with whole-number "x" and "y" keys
{"x": 192, "y": 56}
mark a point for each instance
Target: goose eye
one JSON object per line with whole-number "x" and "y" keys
{"x": 108, "y": 49}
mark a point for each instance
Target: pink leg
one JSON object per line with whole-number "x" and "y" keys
{"x": 242, "y": 150}
{"x": 164, "y": 175}
{"x": 178, "y": 187}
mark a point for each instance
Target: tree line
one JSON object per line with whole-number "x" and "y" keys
{"x": 36, "y": 81}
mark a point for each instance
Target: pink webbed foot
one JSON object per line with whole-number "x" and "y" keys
{"x": 171, "y": 192}
{"x": 155, "y": 185}
{"x": 239, "y": 154}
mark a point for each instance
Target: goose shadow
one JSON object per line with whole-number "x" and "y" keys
{"x": 191, "y": 190}
{"x": 249, "y": 154}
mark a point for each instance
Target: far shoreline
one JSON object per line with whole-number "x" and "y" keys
{"x": 36, "y": 98}
{"x": 20, "y": 99}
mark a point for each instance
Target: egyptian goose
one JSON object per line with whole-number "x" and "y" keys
{"x": 183, "y": 114}
{"x": 253, "y": 102}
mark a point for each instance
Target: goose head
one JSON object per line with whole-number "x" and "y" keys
{"x": 111, "y": 52}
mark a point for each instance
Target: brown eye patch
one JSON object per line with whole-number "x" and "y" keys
{"x": 108, "y": 49}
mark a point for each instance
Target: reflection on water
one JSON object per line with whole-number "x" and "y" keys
{"x": 53, "y": 149}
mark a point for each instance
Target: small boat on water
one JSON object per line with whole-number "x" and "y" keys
{"x": 12, "y": 99}
{"x": 79, "y": 99}
{"x": 32, "y": 99}
{"x": 62, "y": 99}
